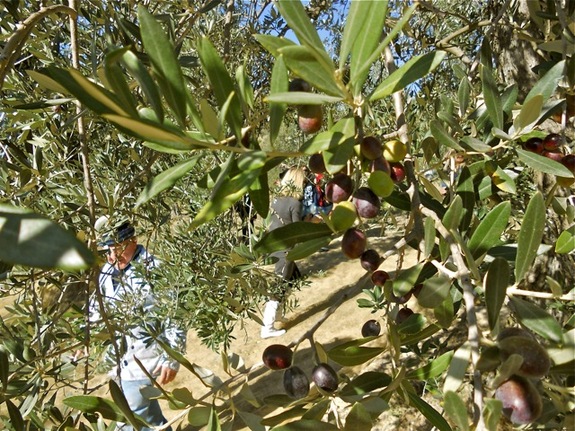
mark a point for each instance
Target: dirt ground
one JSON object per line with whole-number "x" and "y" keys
{"x": 334, "y": 279}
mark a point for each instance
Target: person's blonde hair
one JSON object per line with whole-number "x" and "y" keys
{"x": 292, "y": 182}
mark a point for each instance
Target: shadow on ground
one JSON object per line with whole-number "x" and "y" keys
{"x": 327, "y": 310}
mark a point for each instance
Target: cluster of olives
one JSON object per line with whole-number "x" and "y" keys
{"x": 387, "y": 157}
{"x": 354, "y": 245}
{"x": 295, "y": 381}
{"x": 379, "y": 277}
{"x": 363, "y": 201}
{"x": 551, "y": 147}
{"x": 351, "y": 201}
{"x": 521, "y": 401}
{"x": 366, "y": 204}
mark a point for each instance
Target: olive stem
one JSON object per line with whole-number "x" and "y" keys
{"x": 443, "y": 269}
{"x": 551, "y": 195}
{"x": 540, "y": 295}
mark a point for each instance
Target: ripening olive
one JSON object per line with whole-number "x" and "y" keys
{"x": 310, "y": 118}
{"x": 353, "y": 243}
{"x": 366, "y": 202}
{"x": 521, "y": 401}
{"x": 371, "y": 148}
{"x": 552, "y": 142}
{"x": 277, "y": 357}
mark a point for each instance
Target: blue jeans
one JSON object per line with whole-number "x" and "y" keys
{"x": 148, "y": 409}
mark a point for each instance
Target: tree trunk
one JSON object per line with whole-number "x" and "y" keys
{"x": 516, "y": 59}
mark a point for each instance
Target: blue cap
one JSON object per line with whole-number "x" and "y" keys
{"x": 125, "y": 230}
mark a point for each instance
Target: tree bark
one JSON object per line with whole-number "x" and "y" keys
{"x": 516, "y": 58}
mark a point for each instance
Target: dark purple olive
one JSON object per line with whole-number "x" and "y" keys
{"x": 370, "y": 260}
{"x": 353, "y": 243}
{"x": 371, "y": 328}
{"x": 401, "y": 299}
{"x": 325, "y": 377}
{"x": 379, "y": 277}
{"x": 403, "y": 314}
{"x": 339, "y": 188}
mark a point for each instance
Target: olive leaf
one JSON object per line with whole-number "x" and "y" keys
{"x": 488, "y": 233}
{"x": 39, "y": 242}
{"x": 165, "y": 63}
{"x": 495, "y": 284}
{"x": 537, "y": 319}
{"x": 530, "y": 235}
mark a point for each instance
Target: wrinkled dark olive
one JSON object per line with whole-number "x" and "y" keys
{"x": 536, "y": 361}
{"x": 325, "y": 377}
{"x": 513, "y": 331}
{"x": 296, "y": 383}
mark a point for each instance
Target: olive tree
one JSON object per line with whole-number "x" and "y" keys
{"x": 182, "y": 117}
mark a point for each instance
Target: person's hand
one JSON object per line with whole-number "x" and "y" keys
{"x": 167, "y": 374}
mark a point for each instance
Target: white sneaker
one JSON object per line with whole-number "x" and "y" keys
{"x": 269, "y": 333}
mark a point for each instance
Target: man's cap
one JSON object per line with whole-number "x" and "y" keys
{"x": 119, "y": 233}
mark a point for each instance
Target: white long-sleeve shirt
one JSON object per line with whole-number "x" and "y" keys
{"x": 128, "y": 292}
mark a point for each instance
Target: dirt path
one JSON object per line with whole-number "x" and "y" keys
{"x": 334, "y": 279}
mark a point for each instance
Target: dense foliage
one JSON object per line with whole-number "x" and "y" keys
{"x": 170, "y": 114}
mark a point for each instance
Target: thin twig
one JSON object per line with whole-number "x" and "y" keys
{"x": 541, "y": 295}
{"x": 402, "y": 130}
